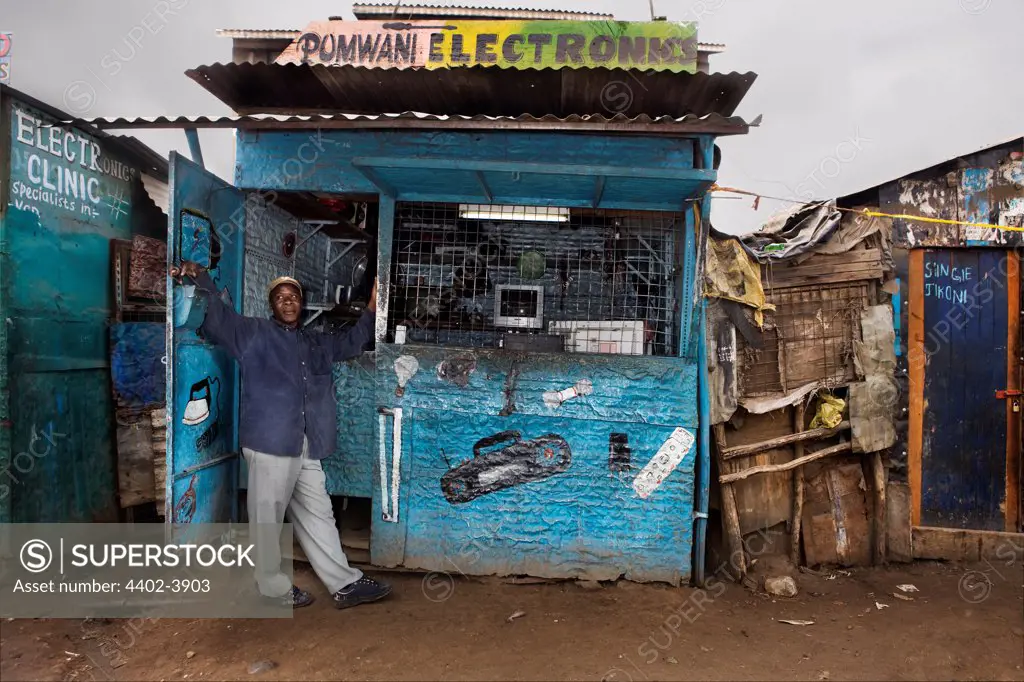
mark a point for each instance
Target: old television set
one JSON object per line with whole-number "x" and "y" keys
{"x": 518, "y": 306}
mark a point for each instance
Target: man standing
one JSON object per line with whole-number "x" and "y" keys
{"x": 288, "y": 424}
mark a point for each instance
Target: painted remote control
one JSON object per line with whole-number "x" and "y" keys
{"x": 664, "y": 462}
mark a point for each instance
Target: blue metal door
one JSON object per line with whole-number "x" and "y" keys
{"x": 206, "y": 226}
{"x": 964, "y": 440}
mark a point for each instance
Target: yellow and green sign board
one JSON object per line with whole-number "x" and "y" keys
{"x": 520, "y": 44}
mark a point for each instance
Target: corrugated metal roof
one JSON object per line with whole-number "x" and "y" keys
{"x": 667, "y": 125}
{"x": 471, "y": 91}
{"x": 377, "y": 10}
{"x": 158, "y": 191}
{"x": 259, "y": 33}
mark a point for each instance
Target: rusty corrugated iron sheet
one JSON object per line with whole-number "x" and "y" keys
{"x": 294, "y": 88}
{"x": 666, "y": 125}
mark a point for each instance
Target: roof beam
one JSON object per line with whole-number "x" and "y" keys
{"x": 598, "y": 190}
{"x": 483, "y": 186}
{"x": 693, "y": 174}
{"x": 192, "y": 135}
{"x": 368, "y": 173}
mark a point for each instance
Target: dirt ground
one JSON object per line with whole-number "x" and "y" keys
{"x": 434, "y": 628}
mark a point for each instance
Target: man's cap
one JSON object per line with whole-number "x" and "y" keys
{"x": 284, "y": 280}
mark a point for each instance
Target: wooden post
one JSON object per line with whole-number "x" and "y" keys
{"x": 730, "y": 516}
{"x": 798, "y": 487}
{"x": 916, "y": 356}
{"x": 881, "y": 522}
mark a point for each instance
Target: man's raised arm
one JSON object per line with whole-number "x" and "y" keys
{"x": 350, "y": 343}
{"x": 223, "y": 326}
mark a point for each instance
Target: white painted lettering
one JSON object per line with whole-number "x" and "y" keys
{"x": 47, "y": 183}
{"x": 39, "y": 137}
{"x": 25, "y": 127}
{"x": 70, "y": 181}
{"x": 82, "y": 142}
{"x": 69, "y": 153}
{"x": 54, "y": 146}
{"x": 35, "y": 173}
{"x": 95, "y": 157}
{"x": 94, "y": 188}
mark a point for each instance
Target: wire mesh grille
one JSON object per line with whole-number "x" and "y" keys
{"x": 808, "y": 338}
{"x": 536, "y": 278}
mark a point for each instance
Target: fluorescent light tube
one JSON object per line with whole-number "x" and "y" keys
{"x": 539, "y": 214}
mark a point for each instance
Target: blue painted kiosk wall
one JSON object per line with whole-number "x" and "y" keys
{"x": 66, "y": 195}
{"x": 581, "y": 519}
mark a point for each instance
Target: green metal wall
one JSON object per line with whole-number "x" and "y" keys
{"x": 65, "y": 198}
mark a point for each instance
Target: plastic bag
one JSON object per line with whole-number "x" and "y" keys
{"x": 829, "y": 413}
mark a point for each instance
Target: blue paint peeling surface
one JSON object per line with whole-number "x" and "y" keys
{"x": 584, "y": 522}
{"x": 350, "y": 470}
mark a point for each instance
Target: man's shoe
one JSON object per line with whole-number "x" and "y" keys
{"x": 295, "y": 598}
{"x": 362, "y": 591}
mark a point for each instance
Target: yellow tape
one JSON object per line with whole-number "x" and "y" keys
{"x": 873, "y": 214}
{"x": 876, "y": 214}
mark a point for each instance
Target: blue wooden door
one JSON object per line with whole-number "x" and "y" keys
{"x": 202, "y": 381}
{"x": 966, "y": 336}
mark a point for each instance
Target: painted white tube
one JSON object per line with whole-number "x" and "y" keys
{"x": 554, "y": 399}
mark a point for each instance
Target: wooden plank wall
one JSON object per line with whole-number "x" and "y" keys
{"x": 762, "y": 501}
{"x": 818, "y": 299}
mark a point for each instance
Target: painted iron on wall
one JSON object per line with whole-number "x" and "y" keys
{"x": 515, "y": 464}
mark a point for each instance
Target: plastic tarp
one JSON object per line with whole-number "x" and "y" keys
{"x": 733, "y": 275}
{"x": 793, "y": 232}
{"x": 817, "y": 229}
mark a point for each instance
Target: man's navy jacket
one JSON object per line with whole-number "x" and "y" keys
{"x": 287, "y": 380}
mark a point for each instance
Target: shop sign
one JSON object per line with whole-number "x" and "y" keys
{"x": 521, "y": 44}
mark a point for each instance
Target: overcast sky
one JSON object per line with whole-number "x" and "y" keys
{"x": 853, "y": 92}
